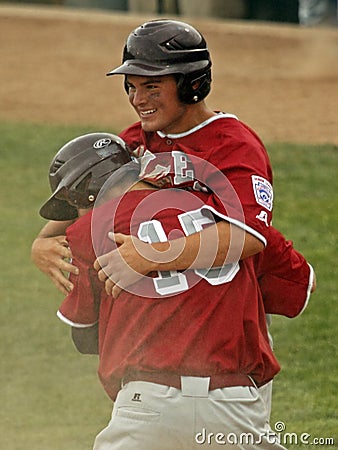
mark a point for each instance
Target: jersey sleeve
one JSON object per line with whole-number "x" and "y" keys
{"x": 243, "y": 162}
{"x": 80, "y": 308}
{"x": 285, "y": 277}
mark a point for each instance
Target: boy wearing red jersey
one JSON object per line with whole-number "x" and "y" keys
{"x": 190, "y": 330}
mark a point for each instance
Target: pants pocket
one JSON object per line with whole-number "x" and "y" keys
{"x": 137, "y": 413}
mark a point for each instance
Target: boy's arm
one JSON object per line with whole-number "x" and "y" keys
{"x": 80, "y": 308}
{"x": 214, "y": 246}
{"x": 86, "y": 340}
{"x": 51, "y": 254}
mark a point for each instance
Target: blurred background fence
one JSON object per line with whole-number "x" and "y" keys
{"x": 304, "y": 12}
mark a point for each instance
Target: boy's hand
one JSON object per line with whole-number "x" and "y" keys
{"x": 52, "y": 255}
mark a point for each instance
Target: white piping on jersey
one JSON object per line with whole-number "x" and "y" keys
{"x": 308, "y": 293}
{"x": 236, "y": 222}
{"x": 73, "y": 324}
{"x": 198, "y": 127}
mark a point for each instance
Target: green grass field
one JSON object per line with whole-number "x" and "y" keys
{"x": 51, "y": 398}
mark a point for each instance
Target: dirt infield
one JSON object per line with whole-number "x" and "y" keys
{"x": 280, "y": 79}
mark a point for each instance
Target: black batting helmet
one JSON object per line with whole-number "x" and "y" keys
{"x": 164, "y": 47}
{"x": 79, "y": 170}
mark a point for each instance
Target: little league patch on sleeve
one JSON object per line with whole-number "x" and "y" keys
{"x": 263, "y": 192}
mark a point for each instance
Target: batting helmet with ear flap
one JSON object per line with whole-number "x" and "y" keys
{"x": 165, "y": 47}
{"x": 79, "y": 170}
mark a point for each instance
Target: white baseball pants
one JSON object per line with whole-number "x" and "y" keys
{"x": 149, "y": 416}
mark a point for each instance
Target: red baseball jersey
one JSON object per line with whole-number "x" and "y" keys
{"x": 232, "y": 147}
{"x": 196, "y": 323}
{"x": 221, "y": 155}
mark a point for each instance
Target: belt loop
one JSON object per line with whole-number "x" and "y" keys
{"x": 253, "y": 382}
{"x": 195, "y": 386}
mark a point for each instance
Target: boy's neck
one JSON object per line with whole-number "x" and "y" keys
{"x": 140, "y": 185}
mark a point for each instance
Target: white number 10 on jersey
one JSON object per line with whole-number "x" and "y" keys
{"x": 171, "y": 282}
